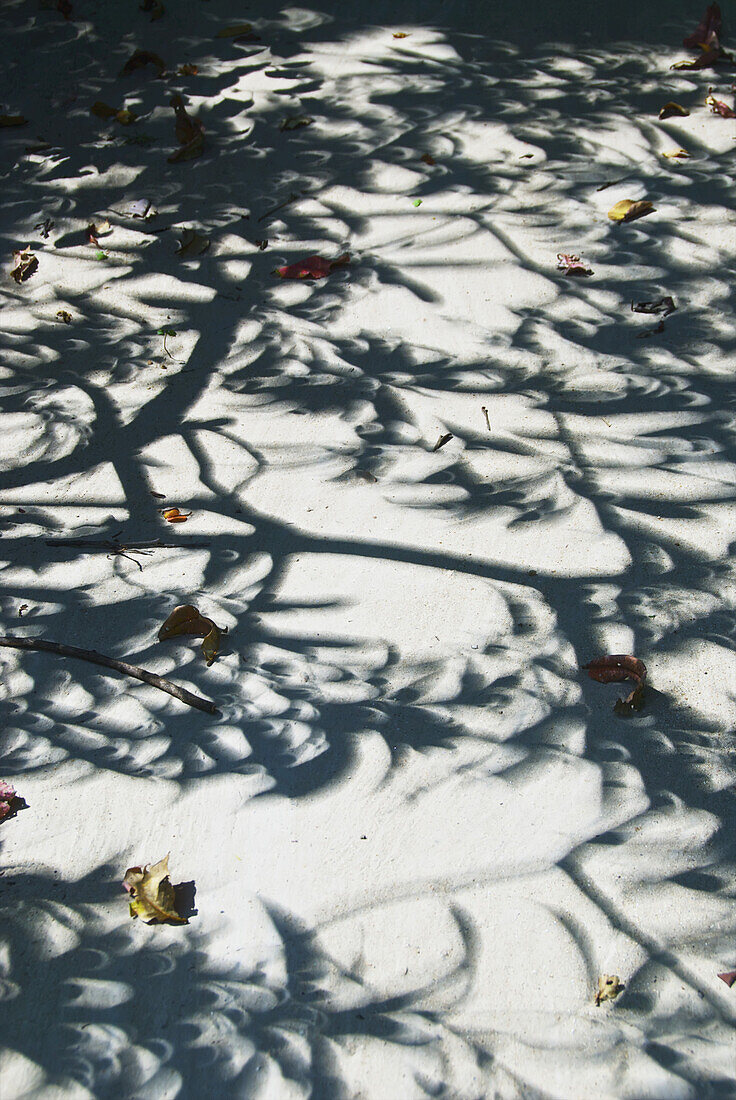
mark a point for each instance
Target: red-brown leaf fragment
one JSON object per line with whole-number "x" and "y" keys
{"x": 718, "y": 107}
{"x": 665, "y": 306}
{"x": 312, "y": 267}
{"x": 26, "y": 264}
{"x": 616, "y": 667}
{"x": 570, "y": 264}
{"x": 673, "y": 109}
{"x": 729, "y": 977}
{"x": 707, "y": 29}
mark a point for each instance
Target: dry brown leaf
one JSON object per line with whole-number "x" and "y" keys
{"x": 173, "y": 515}
{"x": 187, "y": 70}
{"x": 152, "y": 895}
{"x": 442, "y": 440}
{"x": 64, "y": 315}
{"x": 293, "y": 122}
{"x": 729, "y": 977}
{"x": 236, "y": 31}
{"x": 186, "y": 619}
{"x": 189, "y": 133}
{"x": 26, "y": 264}
{"x": 139, "y": 59}
{"x": 609, "y": 987}
{"x": 626, "y": 210}
{"x": 671, "y": 109}
{"x": 192, "y": 243}
{"x": 400, "y": 34}
{"x": 615, "y": 667}
{"x": 676, "y": 154}
{"x": 13, "y": 120}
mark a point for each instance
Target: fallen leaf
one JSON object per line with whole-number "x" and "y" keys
{"x": 155, "y": 7}
{"x": 139, "y": 208}
{"x": 293, "y": 122}
{"x": 262, "y": 245}
{"x": 671, "y": 109}
{"x": 45, "y": 227}
{"x": 64, "y": 315}
{"x": 23, "y": 607}
{"x": 609, "y": 987}
{"x": 122, "y": 115}
{"x": 13, "y": 120}
{"x": 238, "y": 30}
{"x": 185, "y": 619}
{"x": 417, "y": 202}
{"x": 187, "y": 70}
{"x": 161, "y": 496}
{"x": 718, "y": 107}
{"x": 729, "y": 977}
{"x": 616, "y": 667}
{"x": 664, "y": 305}
{"x": 312, "y": 267}
{"x": 571, "y": 264}
{"x": 189, "y": 132}
{"x": 656, "y": 331}
{"x": 100, "y": 255}
{"x": 442, "y": 440}
{"x": 139, "y": 59}
{"x": 98, "y": 229}
{"x": 427, "y": 158}
{"x": 173, "y": 515}
{"x": 152, "y": 895}
{"x": 707, "y": 29}
{"x": 9, "y": 801}
{"x": 401, "y": 34}
{"x": 676, "y": 154}
{"x": 26, "y": 264}
{"x": 192, "y": 244}
{"x": 626, "y": 210}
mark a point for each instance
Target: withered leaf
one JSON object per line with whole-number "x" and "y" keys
{"x": 312, "y": 267}
{"x": 13, "y": 120}
{"x": 616, "y": 667}
{"x": 718, "y": 107}
{"x": 400, "y": 34}
{"x": 427, "y": 158}
{"x": 729, "y": 977}
{"x": 10, "y": 803}
{"x": 189, "y": 133}
{"x": 671, "y": 109}
{"x": 139, "y": 59}
{"x": 442, "y": 440}
{"x": 122, "y": 115}
{"x": 293, "y": 122}
{"x": 173, "y": 515}
{"x": 192, "y": 243}
{"x": 152, "y": 895}
{"x": 609, "y": 987}
{"x": 665, "y": 306}
{"x": 707, "y": 29}
{"x": 186, "y": 619}
{"x": 26, "y": 264}
{"x": 626, "y": 210}
{"x": 64, "y": 316}
{"x": 571, "y": 264}
{"x": 676, "y": 154}
{"x": 98, "y": 229}
{"x": 187, "y": 70}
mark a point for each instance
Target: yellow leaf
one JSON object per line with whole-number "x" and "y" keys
{"x": 236, "y": 30}
{"x": 151, "y": 893}
{"x": 186, "y": 619}
{"x": 125, "y": 117}
{"x": 626, "y": 210}
{"x": 676, "y": 154}
{"x": 671, "y": 109}
{"x": 609, "y": 987}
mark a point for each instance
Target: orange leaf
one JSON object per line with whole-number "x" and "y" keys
{"x": 173, "y": 515}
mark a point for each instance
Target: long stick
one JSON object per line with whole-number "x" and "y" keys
{"x": 96, "y": 658}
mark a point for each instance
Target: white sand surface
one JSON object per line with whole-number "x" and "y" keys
{"x": 419, "y": 834}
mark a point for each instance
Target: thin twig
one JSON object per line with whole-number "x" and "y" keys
{"x": 485, "y": 413}
{"x": 117, "y": 547}
{"x": 292, "y": 198}
{"x": 96, "y": 658}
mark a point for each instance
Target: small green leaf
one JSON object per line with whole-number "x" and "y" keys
{"x": 417, "y": 202}
{"x": 100, "y": 255}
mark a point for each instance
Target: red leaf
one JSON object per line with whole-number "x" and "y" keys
{"x": 729, "y": 977}
{"x": 707, "y": 28}
{"x": 312, "y": 267}
{"x": 616, "y": 667}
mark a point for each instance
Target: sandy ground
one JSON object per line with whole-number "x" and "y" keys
{"x": 419, "y": 834}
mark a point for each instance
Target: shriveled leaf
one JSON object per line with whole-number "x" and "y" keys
{"x": 152, "y": 895}
{"x": 173, "y": 515}
{"x": 665, "y": 306}
{"x": 442, "y": 440}
{"x": 707, "y": 29}
{"x": 616, "y": 667}
{"x": 676, "y": 154}
{"x": 64, "y": 316}
{"x": 400, "y": 34}
{"x": 26, "y": 264}
{"x": 13, "y": 120}
{"x": 293, "y": 122}
{"x": 718, "y": 107}
{"x": 187, "y": 70}
{"x": 98, "y": 229}
{"x": 571, "y": 264}
{"x": 9, "y": 800}
{"x": 729, "y": 977}
{"x": 186, "y": 619}
{"x": 192, "y": 244}
{"x": 427, "y": 158}
{"x": 312, "y": 267}
{"x": 139, "y": 59}
{"x": 237, "y": 30}
{"x": 626, "y": 210}
{"x": 609, "y": 988}
{"x": 672, "y": 109}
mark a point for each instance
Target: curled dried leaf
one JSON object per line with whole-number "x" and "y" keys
{"x": 312, "y": 267}
{"x": 192, "y": 244}
{"x": 13, "y": 120}
{"x": 672, "y": 109}
{"x": 729, "y": 977}
{"x": 571, "y": 264}
{"x": 98, "y": 229}
{"x": 718, "y": 107}
{"x": 676, "y": 154}
{"x": 173, "y": 515}
{"x": 665, "y": 306}
{"x": 26, "y": 264}
{"x": 152, "y": 896}
{"x": 616, "y": 667}
{"x": 139, "y": 59}
{"x": 293, "y": 122}
{"x": 609, "y": 988}
{"x": 186, "y": 619}
{"x": 442, "y": 440}
{"x": 64, "y": 316}
{"x": 627, "y": 210}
